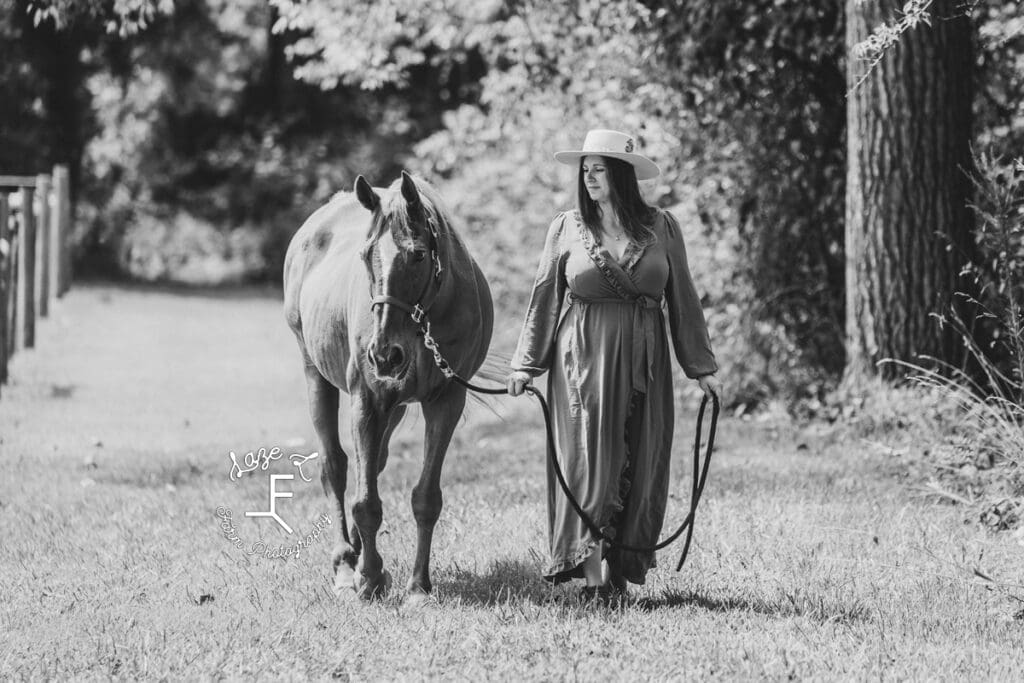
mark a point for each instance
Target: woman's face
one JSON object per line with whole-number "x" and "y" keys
{"x": 595, "y": 178}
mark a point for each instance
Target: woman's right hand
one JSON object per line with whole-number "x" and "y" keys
{"x": 517, "y": 379}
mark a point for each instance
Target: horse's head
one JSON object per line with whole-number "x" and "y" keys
{"x": 403, "y": 263}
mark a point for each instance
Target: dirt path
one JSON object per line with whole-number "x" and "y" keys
{"x": 115, "y": 435}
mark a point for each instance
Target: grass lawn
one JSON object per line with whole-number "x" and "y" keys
{"x": 809, "y": 560}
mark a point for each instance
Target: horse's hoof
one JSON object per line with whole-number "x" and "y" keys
{"x": 371, "y": 589}
{"x": 344, "y": 580}
{"x": 344, "y": 555}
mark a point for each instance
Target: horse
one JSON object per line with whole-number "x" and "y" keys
{"x": 367, "y": 280}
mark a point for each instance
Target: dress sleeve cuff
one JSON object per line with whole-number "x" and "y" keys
{"x": 532, "y": 371}
{"x": 697, "y": 373}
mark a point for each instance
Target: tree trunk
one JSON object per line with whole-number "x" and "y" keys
{"x": 908, "y": 227}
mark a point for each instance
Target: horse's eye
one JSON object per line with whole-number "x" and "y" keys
{"x": 419, "y": 255}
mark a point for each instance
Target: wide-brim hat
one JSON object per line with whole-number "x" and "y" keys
{"x": 611, "y": 143}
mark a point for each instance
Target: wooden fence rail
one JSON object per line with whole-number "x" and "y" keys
{"x": 35, "y": 261}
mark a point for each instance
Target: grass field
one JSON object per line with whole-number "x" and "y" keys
{"x": 810, "y": 560}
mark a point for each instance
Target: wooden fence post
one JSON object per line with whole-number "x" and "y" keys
{"x": 28, "y": 264}
{"x": 16, "y": 336}
{"x": 5, "y": 268}
{"x": 43, "y": 250}
{"x": 62, "y": 228}
{"x": 54, "y": 228}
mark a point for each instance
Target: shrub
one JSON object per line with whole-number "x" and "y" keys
{"x": 989, "y": 432}
{"x": 184, "y": 248}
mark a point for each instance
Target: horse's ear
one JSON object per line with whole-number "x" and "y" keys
{"x": 367, "y": 197}
{"x": 409, "y": 191}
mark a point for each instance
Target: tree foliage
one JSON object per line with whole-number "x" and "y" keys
{"x": 373, "y": 44}
{"x": 765, "y": 86}
{"x": 206, "y": 117}
{"x": 190, "y": 117}
{"x": 999, "y": 106}
{"x": 121, "y": 17}
{"x": 741, "y": 103}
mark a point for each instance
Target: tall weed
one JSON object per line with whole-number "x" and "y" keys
{"x": 990, "y": 398}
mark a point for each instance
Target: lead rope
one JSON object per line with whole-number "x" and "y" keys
{"x": 700, "y": 474}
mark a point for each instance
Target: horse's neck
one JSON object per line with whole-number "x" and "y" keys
{"x": 448, "y": 244}
{"x": 457, "y": 272}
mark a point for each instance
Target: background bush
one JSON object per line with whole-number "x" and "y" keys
{"x": 201, "y": 133}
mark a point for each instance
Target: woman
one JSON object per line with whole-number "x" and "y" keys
{"x": 623, "y": 265}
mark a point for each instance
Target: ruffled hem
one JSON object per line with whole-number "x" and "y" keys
{"x": 566, "y": 570}
{"x": 632, "y": 566}
{"x": 571, "y": 568}
{"x": 635, "y": 569}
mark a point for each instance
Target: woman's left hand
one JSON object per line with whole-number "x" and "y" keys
{"x": 711, "y": 387}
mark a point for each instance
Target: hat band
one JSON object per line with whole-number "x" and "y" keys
{"x": 603, "y": 150}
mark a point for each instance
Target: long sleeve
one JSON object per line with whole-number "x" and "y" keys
{"x": 537, "y": 339}
{"x": 686, "y": 322}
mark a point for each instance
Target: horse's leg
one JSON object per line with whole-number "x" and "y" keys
{"x": 396, "y": 416}
{"x": 393, "y": 420}
{"x": 369, "y": 424}
{"x": 440, "y": 416}
{"x": 323, "y": 407}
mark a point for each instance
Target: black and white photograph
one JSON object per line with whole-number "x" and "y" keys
{"x": 512, "y": 340}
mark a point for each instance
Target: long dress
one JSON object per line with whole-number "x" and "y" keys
{"x": 610, "y": 383}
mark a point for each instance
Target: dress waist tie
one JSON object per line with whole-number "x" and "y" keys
{"x": 645, "y": 330}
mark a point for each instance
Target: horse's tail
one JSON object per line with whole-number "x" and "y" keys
{"x": 492, "y": 373}
{"x": 495, "y": 367}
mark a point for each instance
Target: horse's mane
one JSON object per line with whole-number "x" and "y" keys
{"x": 394, "y": 213}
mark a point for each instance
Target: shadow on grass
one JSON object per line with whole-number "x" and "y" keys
{"x": 817, "y": 607}
{"x": 513, "y": 580}
{"x": 504, "y": 581}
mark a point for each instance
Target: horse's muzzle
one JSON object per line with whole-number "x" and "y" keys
{"x": 387, "y": 360}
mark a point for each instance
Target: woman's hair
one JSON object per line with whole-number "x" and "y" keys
{"x": 636, "y": 216}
